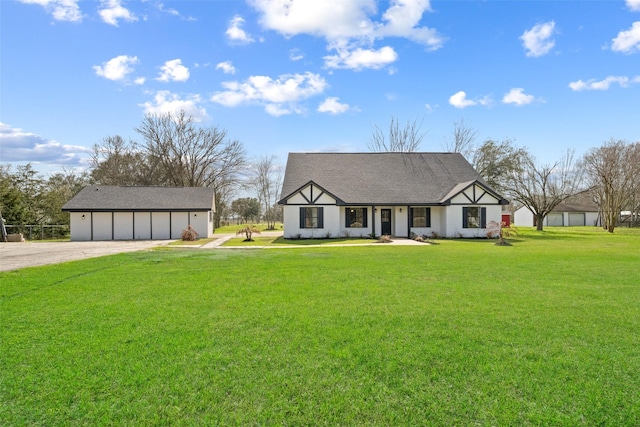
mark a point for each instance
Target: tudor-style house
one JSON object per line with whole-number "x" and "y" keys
{"x": 397, "y": 194}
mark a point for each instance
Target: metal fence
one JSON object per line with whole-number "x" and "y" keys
{"x": 40, "y": 232}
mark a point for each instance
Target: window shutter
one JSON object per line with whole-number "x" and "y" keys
{"x": 410, "y": 217}
{"x": 302, "y": 217}
{"x": 428, "y": 215}
{"x": 364, "y": 217}
{"x": 320, "y": 217}
{"x": 346, "y": 217}
{"x": 483, "y": 218}
{"x": 465, "y": 221}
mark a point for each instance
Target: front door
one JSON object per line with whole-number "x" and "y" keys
{"x": 385, "y": 222}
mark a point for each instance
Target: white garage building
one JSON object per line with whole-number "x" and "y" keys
{"x": 105, "y": 212}
{"x": 576, "y": 211}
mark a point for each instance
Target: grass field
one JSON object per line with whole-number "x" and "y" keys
{"x": 544, "y": 332}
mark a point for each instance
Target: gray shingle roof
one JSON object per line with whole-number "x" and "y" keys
{"x": 380, "y": 178}
{"x": 580, "y": 203}
{"x": 121, "y": 198}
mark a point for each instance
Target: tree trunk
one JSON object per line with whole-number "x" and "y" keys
{"x": 539, "y": 220}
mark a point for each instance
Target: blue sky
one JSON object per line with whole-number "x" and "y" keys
{"x": 299, "y": 75}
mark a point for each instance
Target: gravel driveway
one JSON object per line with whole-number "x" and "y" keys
{"x": 14, "y": 255}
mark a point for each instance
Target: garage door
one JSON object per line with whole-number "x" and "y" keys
{"x": 576, "y": 219}
{"x": 555, "y": 220}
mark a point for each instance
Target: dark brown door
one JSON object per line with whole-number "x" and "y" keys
{"x": 385, "y": 221}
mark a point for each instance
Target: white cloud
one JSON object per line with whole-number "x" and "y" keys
{"x": 280, "y": 96}
{"x": 19, "y": 146}
{"x": 358, "y": 59}
{"x": 633, "y": 5}
{"x": 173, "y": 71}
{"x": 278, "y": 110}
{"x": 171, "y": 11}
{"x": 332, "y": 105}
{"x": 61, "y": 10}
{"x": 112, "y": 11}
{"x": 166, "y": 102}
{"x": 604, "y": 84}
{"x": 118, "y": 68}
{"x": 518, "y": 97}
{"x": 403, "y": 18}
{"x": 459, "y": 100}
{"x": 628, "y": 41}
{"x": 537, "y": 41}
{"x": 348, "y": 19}
{"x": 226, "y": 67}
{"x": 349, "y": 27}
{"x": 329, "y": 19}
{"x": 236, "y": 33}
{"x": 296, "y": 54}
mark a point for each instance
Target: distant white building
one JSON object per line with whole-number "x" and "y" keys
{"x": 572, "y": 212}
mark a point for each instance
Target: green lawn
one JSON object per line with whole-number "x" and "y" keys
{"x": 544, "y": 332}
{"x": 234, "y": 228}
{"x": 281, "y": 241}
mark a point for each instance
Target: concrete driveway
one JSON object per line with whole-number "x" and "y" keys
{"x": 14, "y": 255}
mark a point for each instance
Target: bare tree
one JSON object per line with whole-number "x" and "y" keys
{"x": 119, "y": 162}
{"x": 542, "y": 188}
{"x": 175, "y": 152}
{"x": 190, "y": 156}
{"x": 267, "y": 180}
{"x": 404, "y": 140}
{"x": 462, "y": 139}
{"x": 614, "y": 172}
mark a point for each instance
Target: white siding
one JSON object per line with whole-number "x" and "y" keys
{"x": 576, "y": 218}
{"x": 523, "y": 217}
{"x": 555, "y": 219}
{"x": 202, "y": 222}
{"x": 102, "y": 226}
{"x": 160, "y": 225}
{"x": 455, "y": 228}
{"x": 325, "y": 199}
{"x": 80, "y": 226}
{"x": 297, "y": 199}
{"x": 123, "y": 225}
{"x": 592, "y": 218}
{"x": 400, "y": 221}
{"x": 475, "y": 195}
{"x": 179, "y": 222}
{"x": 142, "y": 225}
{"x": 438, "y": 223}
{"x": 331, "y": 223}
{"x": 354, "y": 232}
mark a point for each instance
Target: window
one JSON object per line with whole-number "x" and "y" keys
{"x": 311, "y": 217}
{"x": 355, "y": 217}
{"x": 474, "y": 217}
{"x": 420, "y": 217}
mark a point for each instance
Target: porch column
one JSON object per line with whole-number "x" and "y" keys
{"x": 373, "y": 219}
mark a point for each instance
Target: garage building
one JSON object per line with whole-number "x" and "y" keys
{"x": 575, "y": 211}
{"x": 105, "y": 212}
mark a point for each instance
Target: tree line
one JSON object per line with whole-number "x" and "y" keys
{"x": 173, "y": 151}
{"x": 608, "y": 175}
